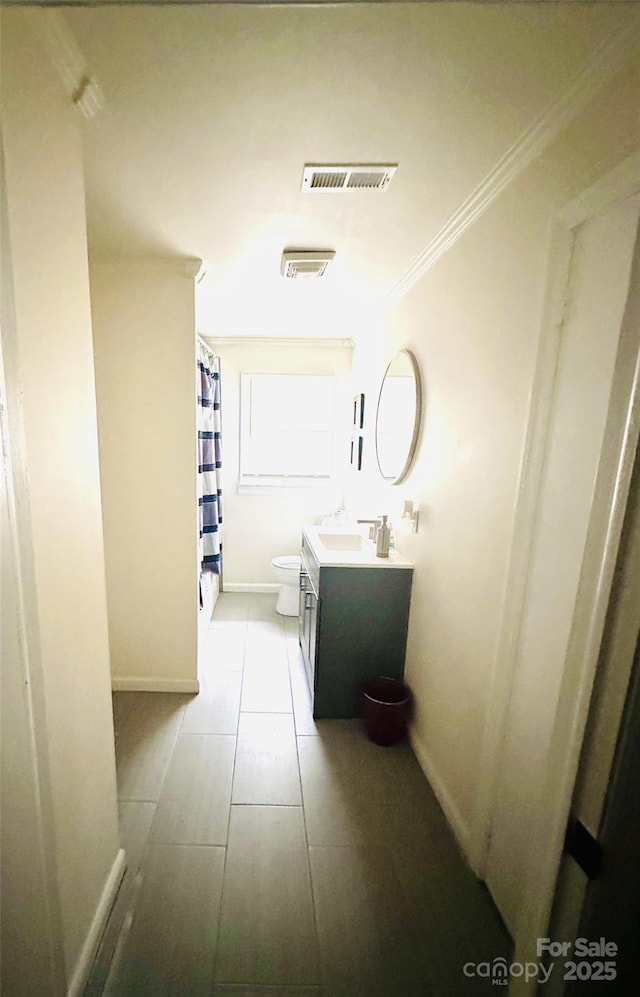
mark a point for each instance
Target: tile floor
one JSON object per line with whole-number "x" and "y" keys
{"x": 272, "y": 855}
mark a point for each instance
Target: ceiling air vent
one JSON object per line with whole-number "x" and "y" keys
{"x": 305, "y": 263}
{"x": 334, "y": 179}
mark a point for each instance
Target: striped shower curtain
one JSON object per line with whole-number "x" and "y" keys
{"x": 209, "y": 460}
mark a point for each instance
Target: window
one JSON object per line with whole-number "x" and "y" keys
{"x": 287, "y": 429}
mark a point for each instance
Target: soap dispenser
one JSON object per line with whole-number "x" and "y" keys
{"x": 382, "y": 538}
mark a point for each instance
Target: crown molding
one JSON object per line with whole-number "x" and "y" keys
{"x": 82, "y": 89}
{"x": 608, "y": 59}
{"x": 272, "y": 341}
{"x": 185, "y": 266}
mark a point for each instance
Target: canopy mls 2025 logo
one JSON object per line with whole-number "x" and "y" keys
{"x": 589, "y": 960}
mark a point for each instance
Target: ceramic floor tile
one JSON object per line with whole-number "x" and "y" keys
{"x": 294, "y": 654}
{"x": 290, "y": 624}
{"x": 194, "y": 805}
{"x": 344, "y": 804}
{"x": 135, "y": 823}
{"x": 170, "y": 948}
{"x": 266, "y": 769}
{"x": 335, "y": 820}
{"x": 384, "y": 775}
{"x": 263, "y": 607}
{"x": 232, "y": 626}
{"x": 133, "y": 704}
{"x": 267, "y": 632}
{"x": 224, "y": 648}
{"x": 368, "y": 944}
{"x": 231, "y": 606}
{"x": 267, "y": 932}
{"x": 292, "y": 640}
{"x": 144, "y": 744}
{"x": 302, "y": 708}
{"x": 265, "y": 687}
{"x": 266, "y": 652}
{"x": 382, "y": 852}
{"x": 451, "y": 909}
{"x": 302, "y": 712}
{"x": 216, "y": 708}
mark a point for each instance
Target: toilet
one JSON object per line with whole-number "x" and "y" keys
{"x": 287, "y": 571}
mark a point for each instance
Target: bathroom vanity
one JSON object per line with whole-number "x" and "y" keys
{"x": 354, "y": 614}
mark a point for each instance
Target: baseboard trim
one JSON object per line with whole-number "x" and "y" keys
{"x": 456, "y": 822}
{"x": 121, "y": 683}
{"x": 251, "y": 587}
{"x": 90, "y": 947}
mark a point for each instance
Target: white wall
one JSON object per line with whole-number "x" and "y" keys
{"x": 144, "y": 338}
{"x": 48, "y": 359}
{"x": 259, "y": 526}
{"x": 473, "y": 322}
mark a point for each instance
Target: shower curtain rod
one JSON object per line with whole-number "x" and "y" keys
{"x": 206, "y": 345}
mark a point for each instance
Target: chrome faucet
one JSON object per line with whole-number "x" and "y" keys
{"x": 373, "y": 528}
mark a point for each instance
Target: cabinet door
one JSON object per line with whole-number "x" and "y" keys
{"x": 363, "y": 615}
{"x": 307, "y": 626}
{"x": 313, "y": 636}
{"x": 301, "y": 614}
{"x": 303, "y": 617}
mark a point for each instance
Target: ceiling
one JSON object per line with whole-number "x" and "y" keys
{"x": 211, "y": 113}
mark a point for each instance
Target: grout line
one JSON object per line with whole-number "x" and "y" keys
{"x": 285, "y": 806}
{"x": 314, "y": 912}
{"x": 244, "y": 655}
{"x": 214, "y": 960}
{"x": 265, "y": 713}
{"x": 320, "y": 961}
{"x": 185, "y": 844}
{"x": 131, "y": 799}
{"x": 277, "y": 989}
{"x": 204, "y": 733}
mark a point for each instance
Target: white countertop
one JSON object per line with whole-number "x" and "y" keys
{"x": 328, "y": 544}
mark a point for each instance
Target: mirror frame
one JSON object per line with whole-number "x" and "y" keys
{"x": 417, "y": 418}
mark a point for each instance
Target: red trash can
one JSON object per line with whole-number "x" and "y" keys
{"x": 386, "y": 710}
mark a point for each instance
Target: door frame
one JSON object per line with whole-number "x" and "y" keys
{"x": 602, "y": 546}
{"x": 615, "y": 466}
{"x": 47, "y": 945}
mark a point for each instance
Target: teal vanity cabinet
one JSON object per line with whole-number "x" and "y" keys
{"x": 354, "y": 615}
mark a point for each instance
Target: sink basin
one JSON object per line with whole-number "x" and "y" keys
{"x": 346, "y": 548}
{"x": 343, "y": 541}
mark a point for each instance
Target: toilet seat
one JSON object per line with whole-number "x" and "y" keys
{"x": 289, "y": 562}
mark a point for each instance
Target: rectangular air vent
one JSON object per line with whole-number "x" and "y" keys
{"x": 307, "y": 264}
{"x": 334, "y": 179}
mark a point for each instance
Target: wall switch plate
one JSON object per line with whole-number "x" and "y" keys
{"x": 411, "y": 513}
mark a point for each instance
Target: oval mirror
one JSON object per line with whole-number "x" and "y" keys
{"x": 398, "y": 417}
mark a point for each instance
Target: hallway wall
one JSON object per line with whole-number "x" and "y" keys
{"x": 474, "y": 321}
{"x": 144, "y": 338}
{"x": 48, "y": 357}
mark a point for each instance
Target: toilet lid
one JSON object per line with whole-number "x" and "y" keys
{"x": 292, "y": 562}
